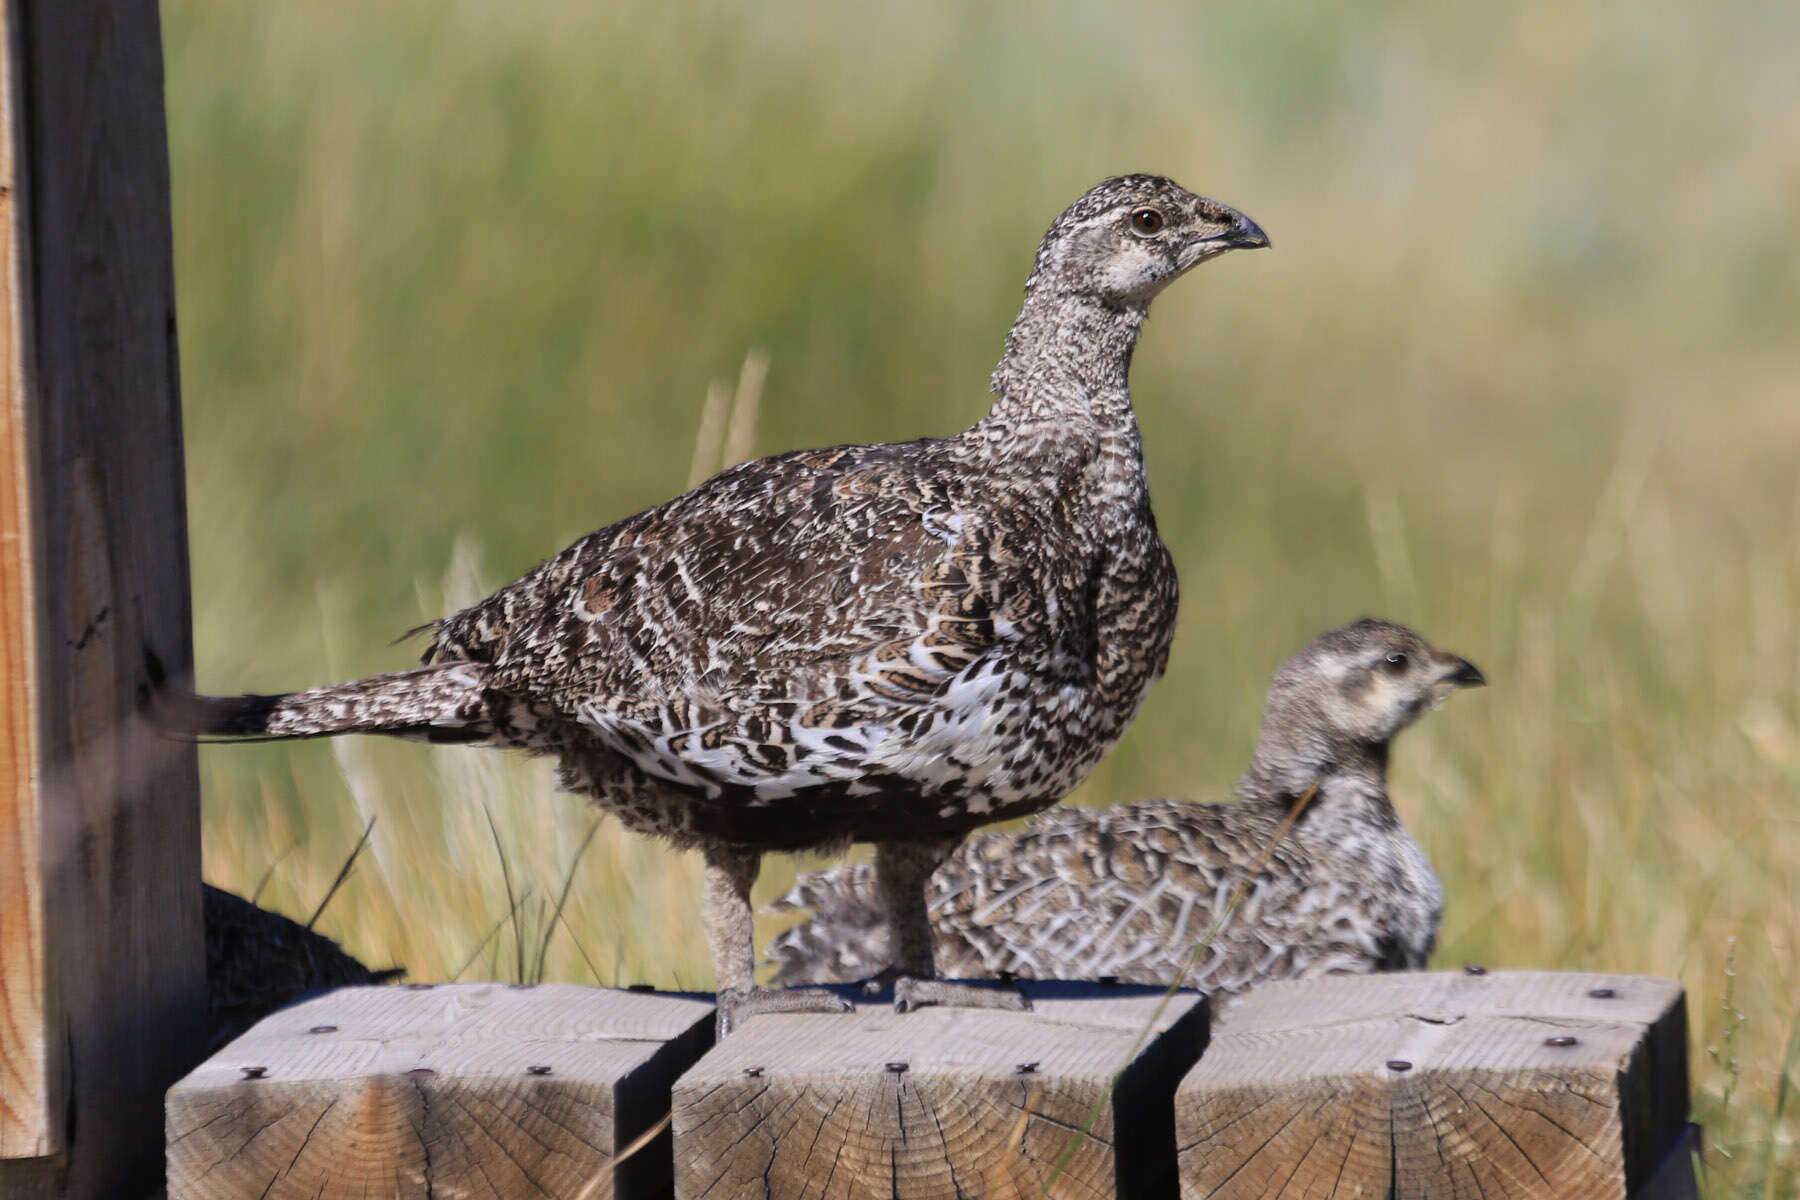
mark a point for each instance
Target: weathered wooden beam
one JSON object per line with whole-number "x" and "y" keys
{"x": 102, "y": 991}
{"x": 943, "y": 1102}
{"x": 454, "y": 1090}
{"x": 1446, "y": 1085}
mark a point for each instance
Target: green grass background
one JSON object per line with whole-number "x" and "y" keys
{"x": 1521, "y": 370}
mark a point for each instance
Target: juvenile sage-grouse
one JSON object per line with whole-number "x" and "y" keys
{"x": 1133, "y": 891}
{"x": 891, "y": 643}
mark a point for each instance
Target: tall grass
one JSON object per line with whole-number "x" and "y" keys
{"x": 455, "y": 279}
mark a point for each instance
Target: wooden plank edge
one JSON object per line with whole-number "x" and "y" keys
{"x": 26, "y": 1130}
{"x": 1145, "y": 1155}
{"x": 644, "y": 1098}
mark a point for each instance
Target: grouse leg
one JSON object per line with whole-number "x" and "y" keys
{"x": 902, "y": 880}
{"x": 730, "y": 933}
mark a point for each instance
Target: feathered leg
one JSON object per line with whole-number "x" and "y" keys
{"x": 731, "y": 935}
{"x": 902, "y": 882}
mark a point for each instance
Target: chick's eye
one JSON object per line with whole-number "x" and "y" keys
{"x": 1146, "y": 220}
{"x": 1395, "y": 662}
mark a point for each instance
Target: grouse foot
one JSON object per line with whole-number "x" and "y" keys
{"x": 913, "y": 991}
{"x": 737, "y": 1005}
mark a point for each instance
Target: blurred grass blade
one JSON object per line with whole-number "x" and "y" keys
{"x": 582, "y": 950}
{"x": 512, "y": 904}
{"x": 604, "y": 1177}
{"x": 746, "y": 406}
{"x": 710, "y": 437}
{"x": 343, "y": 873}
{"x": 269, "y": 872}
{"x": 1784, "y": 1087}
{"x": 561, "y": 899}
{"x": 483, "y": 943}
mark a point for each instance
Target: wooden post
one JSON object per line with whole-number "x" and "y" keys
{"x": 943, "y": 1102}
{"x": 102, "y": 994}
{"x": 455, "y": 1090}
{"x": 1512, "y": 1083}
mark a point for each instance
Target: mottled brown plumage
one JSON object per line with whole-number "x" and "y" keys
{"x": 1133, "y": 891}
{"x": 890, "y": 643}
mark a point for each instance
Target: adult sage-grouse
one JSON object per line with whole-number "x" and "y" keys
{"x": 890, "y": 643}
{"x": 1133, "y": 891}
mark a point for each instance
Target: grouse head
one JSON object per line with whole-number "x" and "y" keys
{"x": 1361, "y": 685}
{"x": 1132, "y": 236}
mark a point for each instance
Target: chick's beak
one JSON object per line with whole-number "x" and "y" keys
{"x": 1239, "y": 233}
{"x": 1464, "y": 673}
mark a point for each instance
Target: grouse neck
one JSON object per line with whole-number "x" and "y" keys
{"x": 1348, "y": 781}
{"x": 1066, "y": 370}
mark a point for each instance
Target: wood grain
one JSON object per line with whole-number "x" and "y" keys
{"x": 473, "y": 1090}
{"x": 805, "y": 1106}
{"x": 1446, "y": 1085}
{"x": 101, "y": 959}
{"x": 24, "y": 1097}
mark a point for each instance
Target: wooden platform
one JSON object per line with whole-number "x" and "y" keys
{"x": 1519, "y": 1084}
{"x": 943, "y": 1102}
{"x": 1512, "y": 1084}
{"x": 458, "y": 1090}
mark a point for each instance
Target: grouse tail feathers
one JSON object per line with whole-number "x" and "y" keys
{"x": 845, "y": 936}
{"x": 445, "y": 702}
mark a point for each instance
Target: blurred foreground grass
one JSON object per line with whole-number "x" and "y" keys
{"x": 1521, "y": 370}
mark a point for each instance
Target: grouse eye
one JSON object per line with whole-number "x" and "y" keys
{"x": 1395, "y": 662}
{"x": 1146, "y": 220}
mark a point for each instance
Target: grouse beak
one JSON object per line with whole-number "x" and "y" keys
{"x": 1244, "y": 234}
{"x": 1239, "y": 233}
{"x": 1464, "y": 673}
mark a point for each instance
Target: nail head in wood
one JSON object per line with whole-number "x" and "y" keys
{"x": 323, "y": 1029}
{"x": 254, "y": 1072}
{"x": 428, "y": 1093}
{"x": 1289, "y": 1097}
{"x": 1398, "y": 1064}
{"x": 1474, "y": 969}
{"x": 999, "y": 1097}
{"x": 1602, "y": 993}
